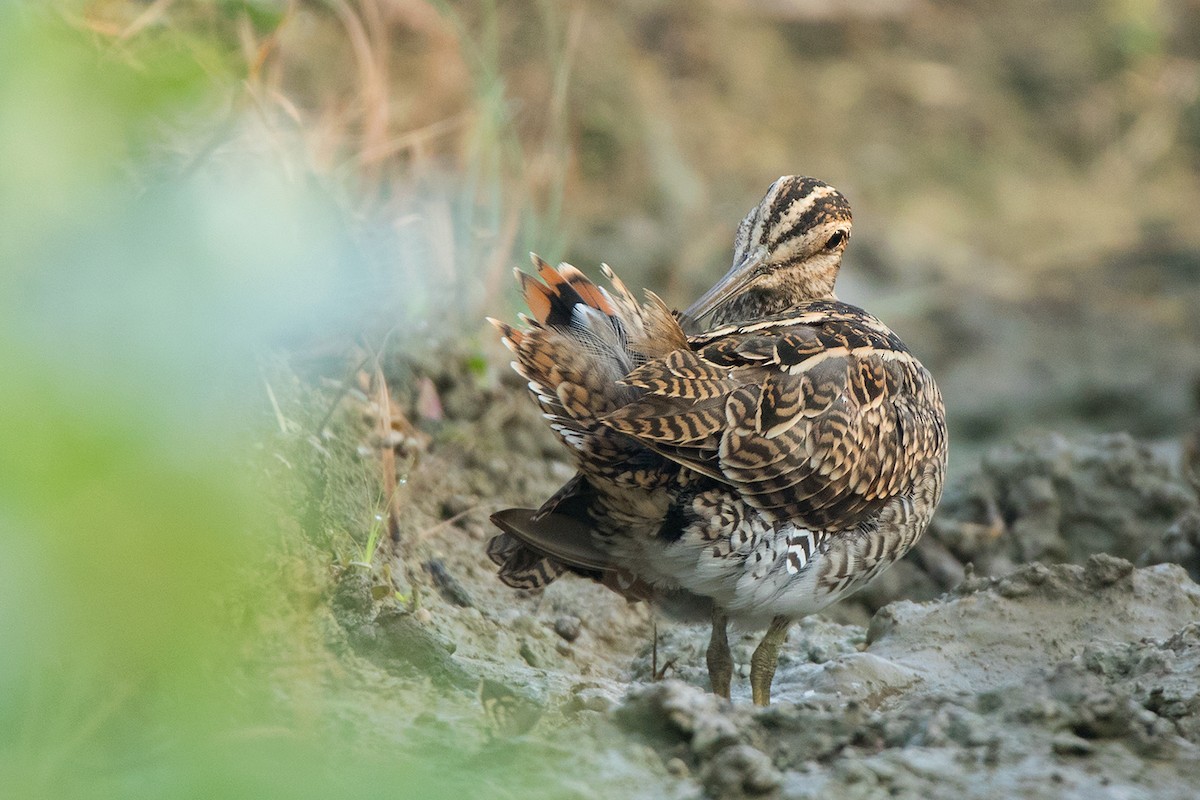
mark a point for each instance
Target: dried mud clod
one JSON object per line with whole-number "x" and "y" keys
{"x": 1053, "y": 499}
{"x": 1057, "y": 499}
{"x": 1011, "y": 674}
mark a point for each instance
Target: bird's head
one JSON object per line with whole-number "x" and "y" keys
{"x": 788, "y": 250}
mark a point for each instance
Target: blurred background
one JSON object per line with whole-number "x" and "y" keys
{"x": 246, "y": 247}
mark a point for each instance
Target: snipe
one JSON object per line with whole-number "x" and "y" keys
{"x": 776, "y": 457}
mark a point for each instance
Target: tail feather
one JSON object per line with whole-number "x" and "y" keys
{"x": 575, "y": 351}
{"x": 536, "y": 548}
{"x": 578, "y": 345}
{"x": 559, "y": 536}
{"x": 540, "y": 299}
{"x": 574, "y": 287}
{"x": 590, "y": 293}
{"x": 522, "y": 567}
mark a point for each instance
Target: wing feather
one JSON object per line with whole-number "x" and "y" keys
{"x": 819, "y": 419}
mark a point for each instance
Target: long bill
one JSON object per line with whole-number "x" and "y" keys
{"x": 732, "y": 284}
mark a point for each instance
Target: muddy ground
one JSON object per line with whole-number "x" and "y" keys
{"x": 1042, "y": 641}
{"x": 345, "y": 186}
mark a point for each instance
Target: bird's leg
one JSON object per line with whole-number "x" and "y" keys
{"x": 720, "y": 660}
{"x": 766, "y": 656}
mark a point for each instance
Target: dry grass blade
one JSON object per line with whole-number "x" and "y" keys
{"x": 280, "y": 420}
{"x": 418, "y": 139}
{"x": 258, "y": 53}
{"x": 153, "y": 13}
{"x": 387, "y": 457}
{"x": 369, "y": 57}
{"x": 446, "y": 523}
{"x": 496, "y": 268}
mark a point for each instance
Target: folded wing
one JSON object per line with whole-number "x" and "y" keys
{"x": 820, "y": 418}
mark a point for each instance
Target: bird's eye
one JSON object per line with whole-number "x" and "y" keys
{"x": 835, "y": 240}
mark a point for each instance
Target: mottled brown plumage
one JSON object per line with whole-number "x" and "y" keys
{"x": 778, "y": 457}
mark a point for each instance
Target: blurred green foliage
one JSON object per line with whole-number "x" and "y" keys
{"x": 140, "y": 561}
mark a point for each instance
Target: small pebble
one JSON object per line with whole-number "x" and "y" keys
{"x": 531, "y": 657}
{"x": 567, "y": 626}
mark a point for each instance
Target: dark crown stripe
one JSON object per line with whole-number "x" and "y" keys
{"x": 788, "y": 192}
{"x": 830, "y": 208}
